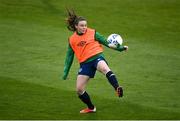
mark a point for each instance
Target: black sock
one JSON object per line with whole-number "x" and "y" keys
{"x": 86, "y": 99}
{"x": 112, "y": 79}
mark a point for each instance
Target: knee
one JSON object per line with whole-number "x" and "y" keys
{"x": 105, "y": 70}
{"x": 79, "y": 90}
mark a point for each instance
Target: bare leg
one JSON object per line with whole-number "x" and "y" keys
{"x": 81, "y": 83}
{"x": 103, "y": 67}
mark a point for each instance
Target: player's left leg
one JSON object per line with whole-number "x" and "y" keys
{"x": 104, "y": 68}
{"x": 81, "y": 83}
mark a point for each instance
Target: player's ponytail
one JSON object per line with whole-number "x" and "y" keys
{"x": 73, "y": 20}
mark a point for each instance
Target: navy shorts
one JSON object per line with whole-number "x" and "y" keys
{"x": 89, "y": 68}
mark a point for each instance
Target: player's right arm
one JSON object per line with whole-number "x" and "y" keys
{"x": 68, "y": 61}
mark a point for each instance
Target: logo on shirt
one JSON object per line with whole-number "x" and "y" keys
{"x": 81, "y": 43}
{"x": 80, "y": 70}
{"x": 98, "y": 59}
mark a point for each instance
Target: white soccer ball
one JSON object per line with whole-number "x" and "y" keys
{"x": 114, "y": 40}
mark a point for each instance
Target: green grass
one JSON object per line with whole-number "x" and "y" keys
{"x": 33, "y": 39}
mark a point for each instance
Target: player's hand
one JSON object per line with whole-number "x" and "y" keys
{"x": 126, "y": 48}
{"x": 64, "y": 77}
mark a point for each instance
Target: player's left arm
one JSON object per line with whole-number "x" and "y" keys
{"x": 68, "y": 61}
{"x": 101, "y": 39}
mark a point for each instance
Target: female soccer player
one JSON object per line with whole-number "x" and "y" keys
{"x": 85, "y": 43}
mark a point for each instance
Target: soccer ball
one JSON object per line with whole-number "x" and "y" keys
{"x": 114, "y": 40}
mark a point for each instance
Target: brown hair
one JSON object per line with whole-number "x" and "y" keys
{"x": 73, "y": 20}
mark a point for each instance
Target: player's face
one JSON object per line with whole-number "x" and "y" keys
{"x": 81, "y": 27}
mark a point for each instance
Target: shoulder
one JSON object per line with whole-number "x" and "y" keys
{"x": 72, "y": 36}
